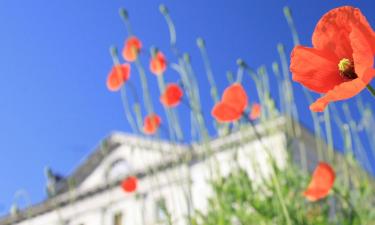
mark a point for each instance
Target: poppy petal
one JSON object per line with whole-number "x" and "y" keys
{"x": 362, "y": 54}
{"x": 321, "y": 183}
{"x": 131, "y": 49}
{"x": 315, "y": 69}
{"x": 172, "y": 95}
{"x": 223, "y": 113}
{"x": 151, "y": 124}
{"x": 332, "y": 31}
{"x": 343, "y": 91}
{"x": 236, "y": 97}
{"x": 118, "y": 76}
{"x": 158, "y": 64}
{"x": 365, "y": 29}
{"x": 129, "y": 184}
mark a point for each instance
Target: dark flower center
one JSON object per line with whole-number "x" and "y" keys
{"x": 346, "y": 69}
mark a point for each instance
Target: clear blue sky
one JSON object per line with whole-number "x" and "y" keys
{"x": 54, "y": 59}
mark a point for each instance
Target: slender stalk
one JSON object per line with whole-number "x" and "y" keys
{"x": 347, "y": 201}
{"x": 124, "y": 97}
{"x": 172, "y": 31}
{"x": 125, "y": 17}
{"x": 327, "y": 122}
{"x": 276, "y": 72}
{"x": 368, "y": 124}
{"x": 371, "y": 90}
{"x": 275, "y": 179}
{"x": 173, "y": 124}
{"x": 241, "y": 65}
{"x": 161, "y": 85}
{"x": 289, "y": 19}
{"x": 144, "y": 84}
{"x": 291, "y": 108}
{"x": 258, "y": 85}
{"x": 345, "y": 133}
{"x": 126, "y": 107}
{"x": 197, "y": 113}
{"x": 210, "y": 76}
{"x": 360, "y": 150}
{"x": 267, "y": 105}
{"x": 138, "y": 115}
{"x": 296, "y": 41}
{"x": 281, "y": 199}
{"x": 230, "y": 77}
{"x": 146, "y": 96}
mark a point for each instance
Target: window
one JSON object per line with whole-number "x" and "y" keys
{"x": 117, "y": 218}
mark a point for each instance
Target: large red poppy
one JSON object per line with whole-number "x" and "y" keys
{"x": 340, "y": 64}
{"x": 172, "y": 95}
{"x": 129, "y": 184}
{"x": 131, "y": 49}
{"x": 158, "y": 63}
{"x": 321, "y": 183}
{"x": 118, "y": 76}
{"x": 151, "y": 124}
{"x": 232, "y": 105}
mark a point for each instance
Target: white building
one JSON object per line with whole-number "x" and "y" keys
{"x": 170, "y": 175}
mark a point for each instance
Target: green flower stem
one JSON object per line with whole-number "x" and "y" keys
{"x": 147, "y": 100}
{"x": 161, "y": 85}
{"x": 126, "y": 106}
{"x": 275, "y": 179}
{"x": 125, "y": 17}
{"x": 174, "y": 126}
{"x": 258, "y": 85}
{"x": 291, "y": 109}
{"x": 195, "y": 100}
{"x": 371, "y": 90}
{"x": 327, "y": 122}
{"x": 144, "y": 84}
{"x": 210, "y": 76}
{"x": 296, "y": 41}
{"x": 289, "y": 19}
{"x": 345, "y": 133}
{"x": 368, "y": 122}
{"x": 347, "y": 201}
{"x": 124, "y": 97}
{"x": 172, "y": 31}
{"x": 276, "y": 72}
{"x": 360, "y": 152}
{"x": 262, "y": 73}
{"x": 241, "y": 66}
{"x": 281, "y": 199}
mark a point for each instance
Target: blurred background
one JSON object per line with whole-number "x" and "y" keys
{"x": 54, "y": 61}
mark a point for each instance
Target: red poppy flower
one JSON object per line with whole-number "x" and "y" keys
{"x": 171, "y": 96}
{"x": 232, "y": 104}
{"x": 340, "y": 64}
{"x": 118, "y": 76}
{"x": 129, "y": 184}
{"x": 158, "y": 64}
{"x": 321, "y": 182}
{"x": 151, "y": 124}
{"x": 131, "y": 49}
{"x": 255, "y": 111}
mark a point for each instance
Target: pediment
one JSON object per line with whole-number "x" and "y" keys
{"x": 117, "y": 156}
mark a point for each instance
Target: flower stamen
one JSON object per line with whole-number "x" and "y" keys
{"x": 346, "y": 69}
